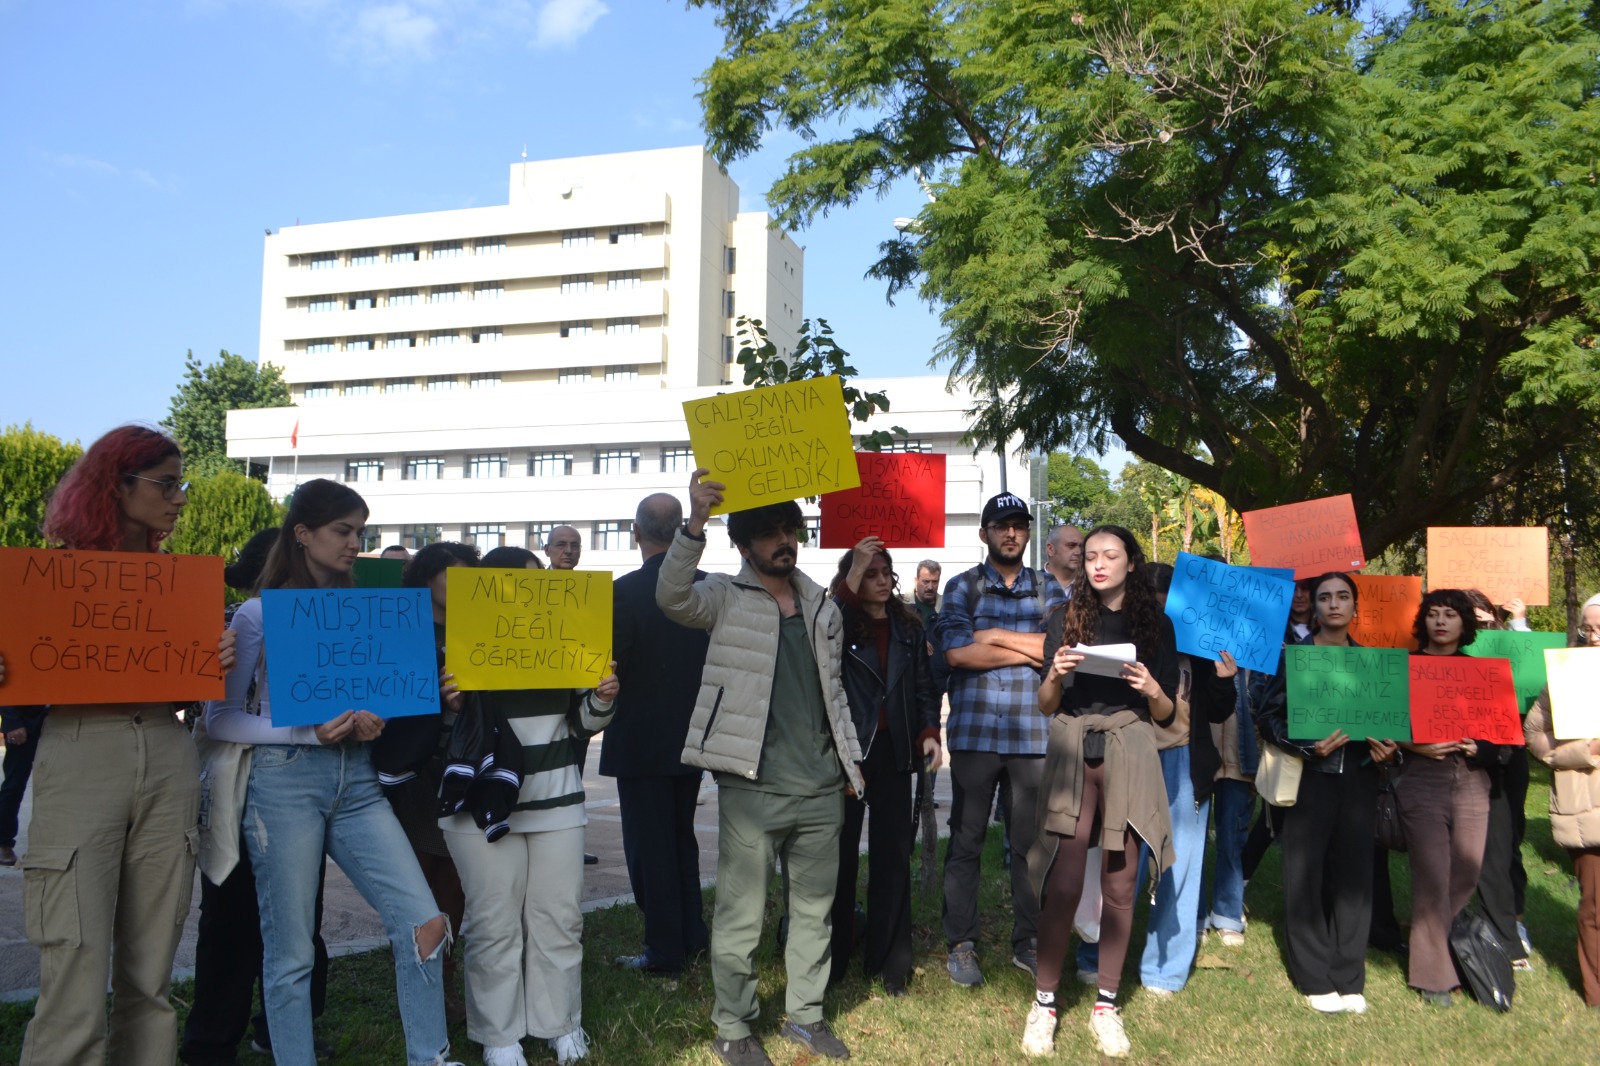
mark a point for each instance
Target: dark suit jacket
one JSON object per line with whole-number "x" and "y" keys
{"x": 659, "y": 664}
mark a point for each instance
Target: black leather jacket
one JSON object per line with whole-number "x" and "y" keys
{"x": 906, "y": 691}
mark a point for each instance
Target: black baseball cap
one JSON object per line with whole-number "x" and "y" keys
{"x": 1004, "y": 506}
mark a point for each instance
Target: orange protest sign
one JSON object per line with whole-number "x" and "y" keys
{"x": 900, "y": 499}
{"x": 1386, "y": 607}
{"x": 1311, "y": 537}
{"x": 109, "y": 627}
{"x": 1504, "y": 562}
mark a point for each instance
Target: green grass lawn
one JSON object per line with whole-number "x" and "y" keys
{"x": 1238, "y": 1008}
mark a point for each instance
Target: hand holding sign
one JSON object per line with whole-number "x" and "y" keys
{"x": 1456, "y": 696}
{"x": 527, "y": 629}
{"x": 1359, "y": 692}
{"x": 1240, "y": 609}
{"x": 704, "y": 498}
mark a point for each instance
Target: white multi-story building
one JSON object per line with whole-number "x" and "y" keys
{"x": 487, "y": 373}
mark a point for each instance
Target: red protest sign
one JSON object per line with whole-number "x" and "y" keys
{"x": 1457, "y": 696}
{"x": 109, "y": 627}
{"x": 1386, "y": 608}
{"x": 1312, "y": 537}
{"x": 1505, "y": 562}
{"x": 901, "y": 499}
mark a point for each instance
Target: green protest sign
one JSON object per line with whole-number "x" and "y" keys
{"x": 1364, "y": 691}
{"x": 1526, "y": 652}
{"x": 378, "y": 573}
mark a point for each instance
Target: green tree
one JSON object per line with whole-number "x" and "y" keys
{"x": 1277, "y": 261}
{"x": 1079, "y": 490}
{"x": 225, "y": 510}
{"x": 198, "y": 415}
{"x": 31, "y": 463}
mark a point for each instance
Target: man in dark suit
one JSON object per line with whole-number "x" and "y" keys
{"x": 659, "y": 664}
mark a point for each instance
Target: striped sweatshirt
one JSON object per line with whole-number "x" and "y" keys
{"x": 549, "y": 723}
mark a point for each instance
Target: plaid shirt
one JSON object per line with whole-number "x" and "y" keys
{"x": 995, "y": 710}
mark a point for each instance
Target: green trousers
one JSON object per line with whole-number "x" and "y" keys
{"x": 753, "y": 829}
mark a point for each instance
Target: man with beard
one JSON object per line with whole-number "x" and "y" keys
{"x": 772, "y": 722}
{"x": 991, "y": 633}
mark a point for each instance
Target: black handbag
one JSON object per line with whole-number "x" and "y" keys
{"x": 1481, "y": 960}
{"x": 1388, "y": 831}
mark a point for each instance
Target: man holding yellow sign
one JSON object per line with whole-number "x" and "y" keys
{"x": 772, "y": 723}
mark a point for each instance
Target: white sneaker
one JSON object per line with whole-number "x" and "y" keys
{"x": 1158, "y": 993}
{"x": 1039, "y": 1034}
{"x": 1106, "y": 1025}
{"x": 1327, "y": 1003}
{"x": 1354, "y": 1003}
{"x": 1231, "y": 938}
{"x": 570, "y": 1047}
{"x": 503, "y": 1056}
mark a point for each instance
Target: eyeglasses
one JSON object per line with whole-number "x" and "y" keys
{"x": 170, "y": 486}
{"x": 1016, "y": 525}
{"x": 1588, "y": 631}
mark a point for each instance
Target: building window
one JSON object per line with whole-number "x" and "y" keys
{"x": 363, "y": 470}
{"x": 573, "y": 375}
{"x": 490, "y": 335}
{"x": 613, "y": 536}
{"x": 576, "y": 329}
{"x": 424, "y": 467}
{"x": 322, "y": 303}
{"x": 484, "y": 381}
{"x": 813, "y": 530}
{"x": 678, "y": 459}
{"x": 402, "y": 297}
{"x": 325, "y": 261}
{"x": 617, "y": 461}
{"x": 910, "y": 444}
{"x": 406, "y": 253}
{"x": 443, "y": 337}
{"x": 728, "y": 349}
{"x": 364, "y": 257}
{"x": 549, "y": 464}
{"x": 730, "y": 259}
{"x": 371, "y": 538}
{"x": 400, "y": 342}
{"x": 630, "y": 372}
{"x": 727, "y": 303}
{"x": 539, "y": 534}
{"x": 489, "y": 464}
{"x": 415, "y": 537}
{"x": 626, "y": 234}
{"x": 489, "y": 245}
{"x": 361, "y": 301}
{"x": 577, "y": 238}
{"x": 619, "y": 280}
{"x": 491, "y": 290}
{"x": 444, "y": 250}
{"x": 321, "y": 346}
{"x": 442, "y": 384}
{"x": 573, "y": 283}
{"x": 443, "y": 296}
{"x": 321, "y": 391}
{"x": 397, "y": 385}
{"x": 361, "y": 388}
{"x": 486, "y": 537}
{"x": 358, "y": 344}
{"x": 618, "y": 326}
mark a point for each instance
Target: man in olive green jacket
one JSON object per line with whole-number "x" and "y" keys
{"x": 773, "y": 724}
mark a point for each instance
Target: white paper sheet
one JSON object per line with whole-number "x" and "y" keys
{"x": 1107, "y": 660}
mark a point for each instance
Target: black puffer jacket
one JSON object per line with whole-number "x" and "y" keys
{"x": 905, "y": 691}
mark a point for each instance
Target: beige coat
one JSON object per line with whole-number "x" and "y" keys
{"x": 1575, "y": 788}
{"x": 730, "y": 713}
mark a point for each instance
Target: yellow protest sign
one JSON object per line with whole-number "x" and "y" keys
{"x": 508, "y": 629}
{"x": 1574, "y": 678}
{"x": 777, "y": 443}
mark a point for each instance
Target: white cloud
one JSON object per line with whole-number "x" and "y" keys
{"x": 560, "y": 23}
{"x": 89, "y": 164}
{"x": 395, "y": 31}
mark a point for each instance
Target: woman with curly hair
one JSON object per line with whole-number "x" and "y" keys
{"x": 1443, "y": 795}
{"x": 116, "y": 792}
{"x": 895, "y": 705}
{"x": 1103, "y": 782}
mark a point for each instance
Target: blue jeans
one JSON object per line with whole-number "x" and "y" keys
{"x": 305, "y": 800}
{"x": 1235, "y": 803}
{"x": 1172, "y": 937}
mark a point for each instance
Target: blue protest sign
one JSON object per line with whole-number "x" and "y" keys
{"x": 335, "y": 650}
{"x": 1243, "y": 610}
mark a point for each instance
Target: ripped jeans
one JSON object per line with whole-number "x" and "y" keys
{"x": 305, "y": 800}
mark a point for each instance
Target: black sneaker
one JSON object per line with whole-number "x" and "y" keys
{"x": 816, "y": 1038}
{"x": 261, "y": 1043}
{"x": 746, "y": 1051}
{"x": 1025, "y": 956}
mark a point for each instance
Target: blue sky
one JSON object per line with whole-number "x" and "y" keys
{"x": 146, "y": 145}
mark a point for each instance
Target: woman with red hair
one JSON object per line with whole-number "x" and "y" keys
{"x": 111, "y": 846}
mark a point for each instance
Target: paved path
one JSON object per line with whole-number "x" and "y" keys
{"x": 348, "y": 924}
